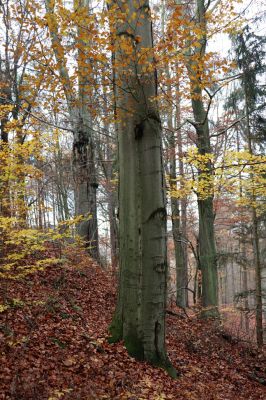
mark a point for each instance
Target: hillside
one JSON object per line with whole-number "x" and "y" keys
{"x": 53, "y": 332}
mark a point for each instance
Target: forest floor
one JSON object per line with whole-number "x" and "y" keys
{"x": 53, "y": 343}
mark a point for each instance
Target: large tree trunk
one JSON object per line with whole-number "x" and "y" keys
{"x": 140, "y": 314}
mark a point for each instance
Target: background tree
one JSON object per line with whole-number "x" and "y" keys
{"x": 250, "y": 52}
{"x": 79, "y": 104}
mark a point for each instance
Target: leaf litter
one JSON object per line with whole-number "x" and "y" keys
{"x": 53, "y": 341}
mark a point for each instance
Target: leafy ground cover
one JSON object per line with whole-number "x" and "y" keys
{"x": 53, "y": 342}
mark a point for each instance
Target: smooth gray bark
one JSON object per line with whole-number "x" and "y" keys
{"x": 140, "y": 314}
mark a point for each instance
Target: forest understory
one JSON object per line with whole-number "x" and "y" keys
{"x": 54, "y": 345}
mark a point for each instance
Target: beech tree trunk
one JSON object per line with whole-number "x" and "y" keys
{"x": 140, "y": 313}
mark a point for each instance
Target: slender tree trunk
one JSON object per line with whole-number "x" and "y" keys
{"x": 181, "y": 267}
{"x": 242, "y": 248}
{"x": 181, "y": 247}
{"x": 113, "y": 232}
{"x": 259, "y": 308}
{"x": 181, "y": 270}
{"x": 112, "y": 202}
{"x": 180, "y": 260}
{"x": 255, "y": 233}
{"x": 207, "y": 249}
{"x": 245, "y": 289}
{"x": 183, "y": 209}
{"x": 140, "y": 314}
{"x": 108, "y": 170}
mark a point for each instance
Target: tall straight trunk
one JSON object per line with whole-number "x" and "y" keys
{"x": 259, "y": 307}
{"x": 245, "y": 290}
{"x": 180, "y": 260}
{"x": 181, "y": 247}
{"x": 140, "y": 313}
{"x": 112, "y": 202}
{"x": 207, "y": 249}
{"x": 183, "y": 204}
{"x": 113, "y": 231}
{"x": 242, "y": 248}
{"x": 263, "y": 278}
{"x": 181, "y": 267}
{"x": 108, "y": 170}
{"x": 181, "y": 272}
{"x": 255, "y": 232}
{"x": 83, "y": 146}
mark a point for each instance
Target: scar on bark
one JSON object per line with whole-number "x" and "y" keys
{"x": 139, "y": 128}
{"x": 160, "y": 212}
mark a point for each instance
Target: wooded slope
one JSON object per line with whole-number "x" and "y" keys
{"x": 54, "y": 345}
